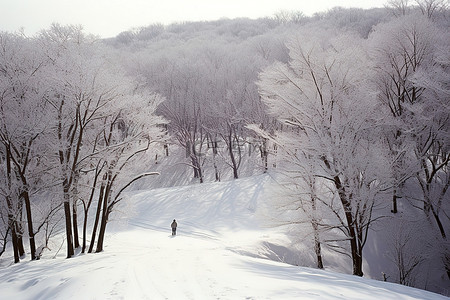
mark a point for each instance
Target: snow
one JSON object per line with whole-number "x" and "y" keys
{"x": 221, "y": 251}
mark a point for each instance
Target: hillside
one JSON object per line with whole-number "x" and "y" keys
{"x": 222, "y": 251}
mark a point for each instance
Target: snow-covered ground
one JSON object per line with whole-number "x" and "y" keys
{"x": 221, "y": 252}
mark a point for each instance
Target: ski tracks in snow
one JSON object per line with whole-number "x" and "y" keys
{"x": 161, "y": 267}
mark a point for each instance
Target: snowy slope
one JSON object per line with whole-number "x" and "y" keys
{"x": 220, "y": 252}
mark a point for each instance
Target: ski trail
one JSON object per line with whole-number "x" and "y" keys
{"x": 164, "y": 267}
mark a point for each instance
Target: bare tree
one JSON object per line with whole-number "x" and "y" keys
{"x": 430, "y": 8}
{"x": 284, "y": 17}
{"x": 399, "y": 7}
{"x": 403, "y": 255}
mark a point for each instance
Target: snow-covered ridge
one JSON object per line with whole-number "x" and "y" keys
{"x": 222, "y": 251}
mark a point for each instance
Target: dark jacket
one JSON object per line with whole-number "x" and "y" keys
{"x": 174, "y": 224}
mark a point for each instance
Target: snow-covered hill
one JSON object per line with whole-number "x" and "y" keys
{"x": 222, "y": 251}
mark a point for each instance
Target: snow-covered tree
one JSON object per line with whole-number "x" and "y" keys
{"x": 23, "y": 123}
{"x": 323, "y": 96}
{"x": 179, "y": 83}
{"x": 430, "y": 8}
{"x": 399, "y": 7}
{"x": 92, "y": 101}
{"x": 412, "y": 73}
{"x": 125, "y": 141}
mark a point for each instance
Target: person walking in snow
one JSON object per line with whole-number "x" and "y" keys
{"x": 174, "y": 227}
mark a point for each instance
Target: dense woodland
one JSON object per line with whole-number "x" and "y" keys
{"x": 348, "y": 110}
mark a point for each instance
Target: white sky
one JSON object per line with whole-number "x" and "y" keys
{"x": 109, "y": 17}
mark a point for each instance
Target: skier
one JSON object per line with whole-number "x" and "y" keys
{"x": 174, "y": 227}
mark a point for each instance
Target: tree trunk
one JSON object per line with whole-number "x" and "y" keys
{"x": 12, "y": 227}
{"x": 75, "y": 211}
{"x": 87, "y": 205}
{"x": 166, "y": 148}
{"x": 104, "y": 218}
{"x": 15, "y": 243}
{"x": 395, "y": 151}
{"x": 5, "y": 241}
{"x": 192, "y": 153}
{"x": 19, "y": 228}
{"x": 446, "y": 256}
{"x": 233, "y": 164}
{"x": 26, "y": 198}
{"x": 317, "y": 245}
{"x": 356, "y": 249}
{"x": 101, "y": 233}
{"x": 439, "y": 223}
{"x": 197, "y": 167}
{"x": 315, "y": 226}
{"x": 83, "y": 247}
{"x": 394, "y": 202}
{"x": 19, "y": 235}
{"x": 232, "y": 157}
{"x": 67, "y": 214}
{"x": 216, "y": 169}
{"x": 11, "y": 210}
{"x": 264, "y": 155}
{"x": 97, "y": 215}
{"x": 75, "y": 225}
